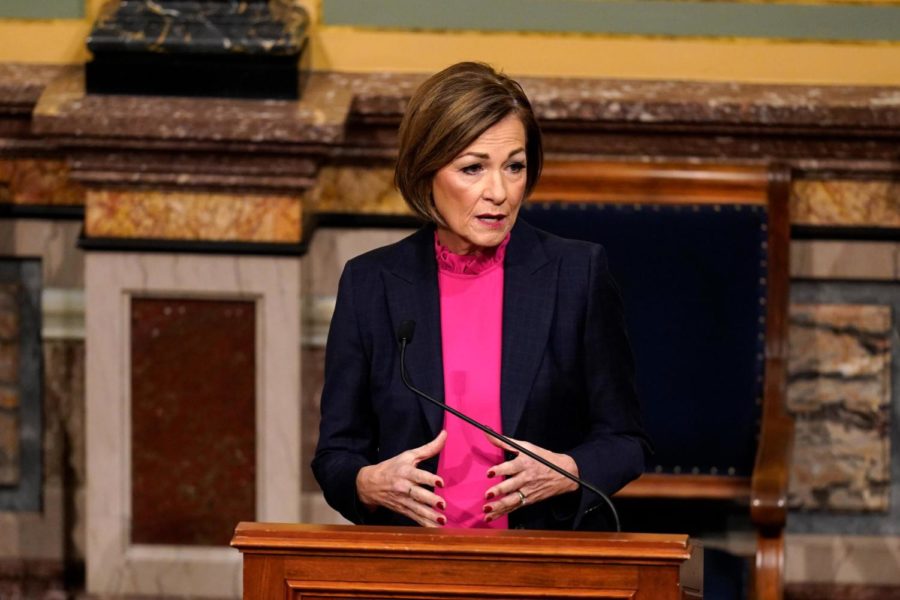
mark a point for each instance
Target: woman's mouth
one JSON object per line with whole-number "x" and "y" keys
{"x": 491, "y": 221}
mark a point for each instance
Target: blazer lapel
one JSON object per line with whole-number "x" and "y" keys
{"x": 412, "y": 294}
{"x": 529, "y": 297}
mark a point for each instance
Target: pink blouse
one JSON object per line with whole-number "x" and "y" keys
{"x": 471, "y": 292}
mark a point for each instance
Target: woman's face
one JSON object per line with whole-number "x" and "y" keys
{"x": 479, "y": 193}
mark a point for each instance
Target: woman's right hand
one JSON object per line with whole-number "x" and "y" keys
{"x": 397, "y": 484}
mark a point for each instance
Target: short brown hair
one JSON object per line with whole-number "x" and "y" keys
{"x": 448, "y": 112}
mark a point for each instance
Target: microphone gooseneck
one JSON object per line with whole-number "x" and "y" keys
{"x": 404, "y": 337}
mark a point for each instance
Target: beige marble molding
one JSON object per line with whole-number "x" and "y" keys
{"x": 839, "y": 392}
{"x": 38, "y": 182}
{"x": 114, "y": 565}
{"x": 357, "y": 190}
{"x": 193, "y": 216}
{"x": 846, "y": 203}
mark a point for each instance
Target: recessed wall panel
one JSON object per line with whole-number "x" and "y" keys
{"x": 193, "y": 420}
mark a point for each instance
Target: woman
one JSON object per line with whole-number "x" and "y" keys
{"x": 518, "y": 328}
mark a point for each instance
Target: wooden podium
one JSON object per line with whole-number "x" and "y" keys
{"x": 325, "y": 562}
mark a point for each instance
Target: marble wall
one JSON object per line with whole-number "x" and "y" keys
{"x": 839, "y": 392}
{"x": 217, "y": 433}
{"x": 53, "y": 526}
{"x": 846, "y": 477}
{"x": 21, "y": 460}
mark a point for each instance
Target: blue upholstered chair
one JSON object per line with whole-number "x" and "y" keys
{"x": 701, "y": 256}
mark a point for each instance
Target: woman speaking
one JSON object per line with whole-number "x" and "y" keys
{"x": 515, "y": 327}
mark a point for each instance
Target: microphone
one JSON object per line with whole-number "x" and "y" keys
{"x": 404, "y": 338}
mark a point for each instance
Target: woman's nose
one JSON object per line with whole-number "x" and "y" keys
{"x": 495, "y": 188}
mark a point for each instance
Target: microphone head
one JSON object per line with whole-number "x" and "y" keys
{"x": 405, "y": 332}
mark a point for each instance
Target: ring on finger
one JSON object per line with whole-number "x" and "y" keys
{"x": 522, "y": 497}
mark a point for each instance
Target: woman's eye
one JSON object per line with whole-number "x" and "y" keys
{"x": 516, "y": 167}
{"x": 471, "y": 169}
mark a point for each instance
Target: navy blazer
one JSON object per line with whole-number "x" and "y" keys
{"x": 567, "y": 373}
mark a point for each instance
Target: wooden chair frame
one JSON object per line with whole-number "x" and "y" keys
{"x": 765, "y": 185}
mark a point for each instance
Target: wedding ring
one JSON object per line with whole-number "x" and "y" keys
{"x": 522, "y": 497}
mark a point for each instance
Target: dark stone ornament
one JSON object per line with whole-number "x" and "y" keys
{"x": 224, "y": 48}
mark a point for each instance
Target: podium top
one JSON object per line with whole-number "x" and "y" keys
{"x": 293, "y": 537}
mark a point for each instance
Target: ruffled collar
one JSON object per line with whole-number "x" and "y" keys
{"x": 468, "y": 264}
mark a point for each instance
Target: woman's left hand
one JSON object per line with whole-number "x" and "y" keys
{"x": 526, "y": 480}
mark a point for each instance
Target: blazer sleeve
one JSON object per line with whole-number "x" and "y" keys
{"x": 612, "y": 453}
{"x": 347, "y": 434}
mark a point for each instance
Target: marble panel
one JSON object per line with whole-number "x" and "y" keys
{"x": 846, "y": 560}
{"x": 357, "y": 190}
{"x": 21, "y": 413}
{"x": 64, "y": 436}
{"x": 55, "y": 242}
{"x": 39, "y": 182}
{"x": 9, "y": 446}
{"x": 193, "y": 426}
{"x": 330, "y": 250}
{"x": 826, "y": 259}
{"x": 9, "y": 384}
{"x": 846, "y": 203}
{"x": 192, "y": 216}
{"x": 839, "y": 393}
{"x": 313, "y": 380}
{"x": 9, "y": 311}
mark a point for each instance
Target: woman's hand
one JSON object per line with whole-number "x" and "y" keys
{"x": 527, "y": 481}
{"x": 397, "y": 484}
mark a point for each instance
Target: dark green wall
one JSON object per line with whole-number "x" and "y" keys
{"x": 42, "y": 9}
{"x": 799, "y": 21}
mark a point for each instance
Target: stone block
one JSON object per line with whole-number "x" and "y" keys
{"x": 869, "y": 261}
{"x": 839, "y": 392}
{"x": 845, "y": 203}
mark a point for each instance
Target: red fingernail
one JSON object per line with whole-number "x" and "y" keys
{"x": 441, "y": 520}
{"x": 491, "y": 474}
{"x": 489, "y": 495}
{"x": 441, "y": 505}
{"x": 487, "y": 508}
{"x": 488, "y": 519}
{"x": 439, "y": 483}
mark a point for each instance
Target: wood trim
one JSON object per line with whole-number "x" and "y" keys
{"x": 770, "y": 474}
{"x": 651, "y": 183}
{"x": 688, "y": 487}
{"x": 278, "y": 537}
{"x": 413, "y": 563}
